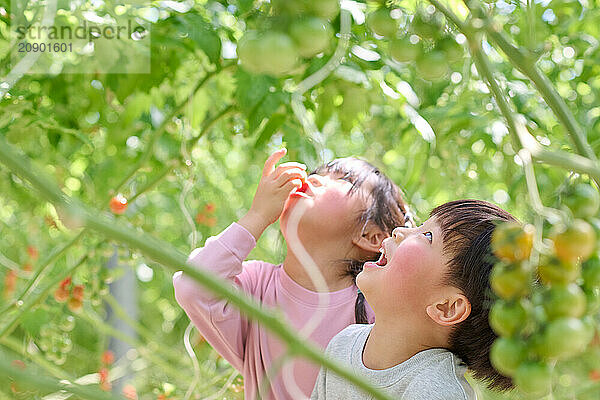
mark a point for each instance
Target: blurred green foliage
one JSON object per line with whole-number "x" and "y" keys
{"x": 183, "y": 150}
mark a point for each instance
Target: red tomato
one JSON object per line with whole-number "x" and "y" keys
{"x": 74, "y": 304}
{"x": 61, "y": 294}
{"x": 78, "y": 292}
{"x": 304, "y": 187}
{"x": 33, "y": 252}
{"x": 108, "y": 357}
{"x": 118, "y": 204}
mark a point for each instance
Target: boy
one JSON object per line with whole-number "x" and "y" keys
{"x": 430, "y": 294}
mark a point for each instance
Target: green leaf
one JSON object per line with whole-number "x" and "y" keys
{"x": 33, "y": 320}
{"x": 257, "y": 97}
{"x": 251, "y": 90}
{"x": 275, "y": 122}
{"x": 204, "y": 35}
{"x": 245, "y": 5}
{"x": 264, "y": 109}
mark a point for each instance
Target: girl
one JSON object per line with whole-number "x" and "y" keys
{"x": 431, "y": 295}
{"x": 349, "y": 207}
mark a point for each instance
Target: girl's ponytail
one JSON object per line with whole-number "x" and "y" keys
{"x": 360, "y": 312}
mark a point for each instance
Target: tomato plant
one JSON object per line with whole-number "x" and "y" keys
{"x": 492, "y": 100}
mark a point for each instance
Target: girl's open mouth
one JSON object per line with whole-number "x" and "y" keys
{"x": 297, "y": 193}
{"x": 301, "y": 191}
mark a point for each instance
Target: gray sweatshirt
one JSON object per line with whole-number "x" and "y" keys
{"x": 433, "y": 374}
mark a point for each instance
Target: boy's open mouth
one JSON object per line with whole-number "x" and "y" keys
{"x": 382, "y": 259}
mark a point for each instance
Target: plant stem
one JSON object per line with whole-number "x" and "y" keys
{"x": 167, "y": 255}
{"x": 525, "y": 63}
{"x": 208, "y": 124}
{"x": 308, "y": 122}
{"x": 162, "y": 174}
{"x": 149, "y": 150}
{"x": 519, "y": 132}
{"x": 17, "y": 347}
{"x": 47, "y": 384}
{"x": 516, "y": 128}
{"x": 144, "y": 350}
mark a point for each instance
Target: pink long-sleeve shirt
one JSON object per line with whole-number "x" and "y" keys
{"x": 247, "y": 346}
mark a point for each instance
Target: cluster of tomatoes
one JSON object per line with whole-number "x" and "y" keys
{"x": 549, "y": 303}
{"x": 291, "y": 30}
{"x": 11, "y": 277}
{"x": 55, "y": 339}
{"x": 206, "y": 216}
{"x": 72, "y": 294}
{"x": 107, "y": 359}
{"x": 424, "y": 40}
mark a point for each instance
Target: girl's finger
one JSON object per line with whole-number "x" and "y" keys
{"x": 272, "y": 160}
{"x": 292, "y": 164}
{"x": 283, "y": 168}
{"x": 286, "y": 176}
{"x": 289, "y": 186}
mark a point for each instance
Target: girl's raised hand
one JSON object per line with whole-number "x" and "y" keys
{"x": 273, "y": 190}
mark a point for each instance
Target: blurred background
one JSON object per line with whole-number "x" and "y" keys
{"x": 177, "y": 152}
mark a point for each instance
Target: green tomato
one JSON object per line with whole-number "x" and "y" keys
{"x": 583, "y": 200}
{"x": 381, "y": 22}
{"x": 590, "y": 325}
{"x": 507, "y": 318}
{"x": 591, "y": 273}
{"x": 512, "y": 241}
{"x": 279, "y": 53}
{"x": 248, "y": 51}
{"x": 323, "y": 8}
{"x": 534, "y": 378}
{"x": 67, "y": 323}
{"x": 574, "y": 242}
{"x": 510, "y": 281}
{"x": 507, "y": 354}
{"x": 432, "y": 66}
{"x": 552, "y": 271}
{"x": 454, "y": 52}
{"x": 564, "y": 337}
{"x": 65, "y": 345}
{"x": 270, "y": 53}
{"x": 592, "y": 297}
{"x": 312, "y": 35}
{"x": 564, "y": 301}
{"x": 290, "y": 7}
{"x": 427, "y": 26}
{"x": 402, "y": 50}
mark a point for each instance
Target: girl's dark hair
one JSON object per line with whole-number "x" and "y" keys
{"x": 386, "y": 209}
{"x": 467, "y": 227}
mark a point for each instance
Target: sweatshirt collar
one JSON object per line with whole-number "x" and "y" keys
{"x": 310, "y": 298}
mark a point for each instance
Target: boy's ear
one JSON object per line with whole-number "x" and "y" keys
{"x": 450, "y": 311}
{"x": 370, "y": 239}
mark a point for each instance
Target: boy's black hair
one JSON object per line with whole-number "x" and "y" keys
{"x": 467, "y": 227}
{"x": 387, "y": 209}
